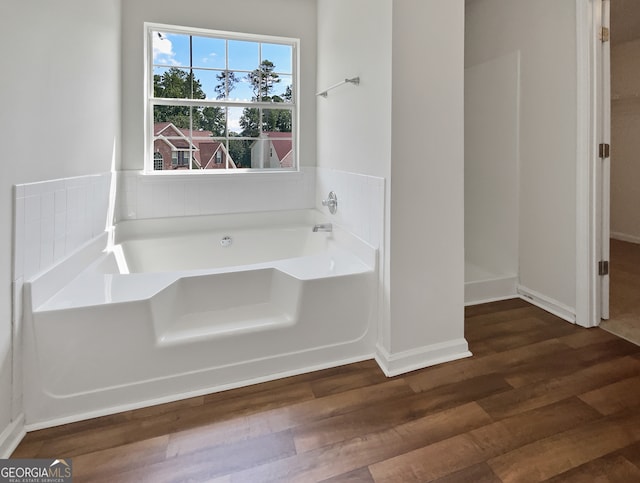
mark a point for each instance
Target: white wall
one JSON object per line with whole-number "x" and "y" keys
{"x": 544, "y": 32}
{"x": 427, "y": 174}
{"x": 60, "y": 117}
{"x": 404, "y": 123}
{"x": 286, "y": 18}
{"x": 354, "y": 123}
{"x": 491, "y": 201}
{"x": 625, "y": 141}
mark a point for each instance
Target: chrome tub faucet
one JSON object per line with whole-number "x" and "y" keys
{"x": 323, "y": 227}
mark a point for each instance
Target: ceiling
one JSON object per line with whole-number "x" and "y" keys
{"x": 625, "y": 21}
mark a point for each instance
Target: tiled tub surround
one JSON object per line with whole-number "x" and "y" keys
{"x": 360, "y": 202}
{"x": 55, "y": 218}
{"x": 360, "y": 197}
{"x": 142, "y": 196}
{"x": 143, "y": 332}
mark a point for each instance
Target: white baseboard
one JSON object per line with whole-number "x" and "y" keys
{"x": 11, "y": 436}
{"x": 414, "y": 359}
{"x": 624, "y": 237}
{"x": 547, "y": 303}
{"x": 484, "y": 291}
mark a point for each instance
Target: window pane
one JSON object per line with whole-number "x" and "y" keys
{"x": 206, "y": 83}
{"x": 263, "y": 81}
{"x": 277, "y": 121}
{"x": 228, "y": 84}
{"x": 208, "y": 151}
{"x": 272, "y": 152}
{"x": 280, "y": 56}
{"x": 282, "y": 90}
{"x": 243, "y": 121}
{"x": 179, "y": 117}
{"x": 242, "y": 89}
{"x": 213, "y": 120}
{"x": 243, "y": 55}
{"x": 175, "y": 83}
{"x": 170, "y": 49}
{"x": 208, "y": 52}
{"x": 240, "y": 153}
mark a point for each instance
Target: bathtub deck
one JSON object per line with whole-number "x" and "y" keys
{"x": 540, "y": 399}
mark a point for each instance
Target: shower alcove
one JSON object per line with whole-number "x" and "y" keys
{"x": 491, "y": 179}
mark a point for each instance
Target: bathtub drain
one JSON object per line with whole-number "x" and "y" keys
{"x": 226, "y": 241}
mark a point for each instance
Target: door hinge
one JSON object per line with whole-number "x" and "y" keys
{"x": 604, "y": 150}
{"x": 604, "y": 34}
{"x": 603, "y": 268}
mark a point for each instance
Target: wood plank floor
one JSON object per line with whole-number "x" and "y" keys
{"x": 540, "y": 400}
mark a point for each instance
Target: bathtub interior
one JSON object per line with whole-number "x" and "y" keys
{"x": 113, "y": 338}
{"x": 216, "y": 249}
{"x": 219, "y": 241}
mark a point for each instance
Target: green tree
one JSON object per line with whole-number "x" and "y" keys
{"x": 227, "y": 80}
{"x": 282, "y": 123}
{"x": 250, "y": 121}
{"x": 276, "y": 120}
{"x": 240, "y": 151}
{"x": 214, "y": 120}
{"x": 263, "y": 80}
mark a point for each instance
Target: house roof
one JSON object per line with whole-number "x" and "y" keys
{"x": 204, "y": 148}
{"x": 283, "y": 145}
{"x": 208, "y": 150}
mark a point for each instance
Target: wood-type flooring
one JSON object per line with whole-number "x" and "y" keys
{"x": 540, "y": 400}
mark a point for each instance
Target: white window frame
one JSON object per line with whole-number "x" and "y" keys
{"x": 150, "y": 101}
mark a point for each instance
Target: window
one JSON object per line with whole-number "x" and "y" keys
{"x": 158, "y": 162}
{"x": 180, "y": 159}
{"x": 206, "y": 87}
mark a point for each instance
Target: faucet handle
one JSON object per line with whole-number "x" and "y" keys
{"x": 331, "y": 202}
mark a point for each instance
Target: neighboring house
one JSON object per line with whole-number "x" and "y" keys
{"x": 273, "y": 150}
{"x": 172, "y": 149}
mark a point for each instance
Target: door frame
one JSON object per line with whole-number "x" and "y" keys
{"x": 592, "y": 173}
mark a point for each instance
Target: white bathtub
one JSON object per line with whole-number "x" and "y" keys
{"x": 169, "y": 312}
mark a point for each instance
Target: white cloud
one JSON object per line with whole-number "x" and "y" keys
{"x": 234, "y": 124}
{"x": 209, "y": 57}
{"x": 163, "y": 49}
